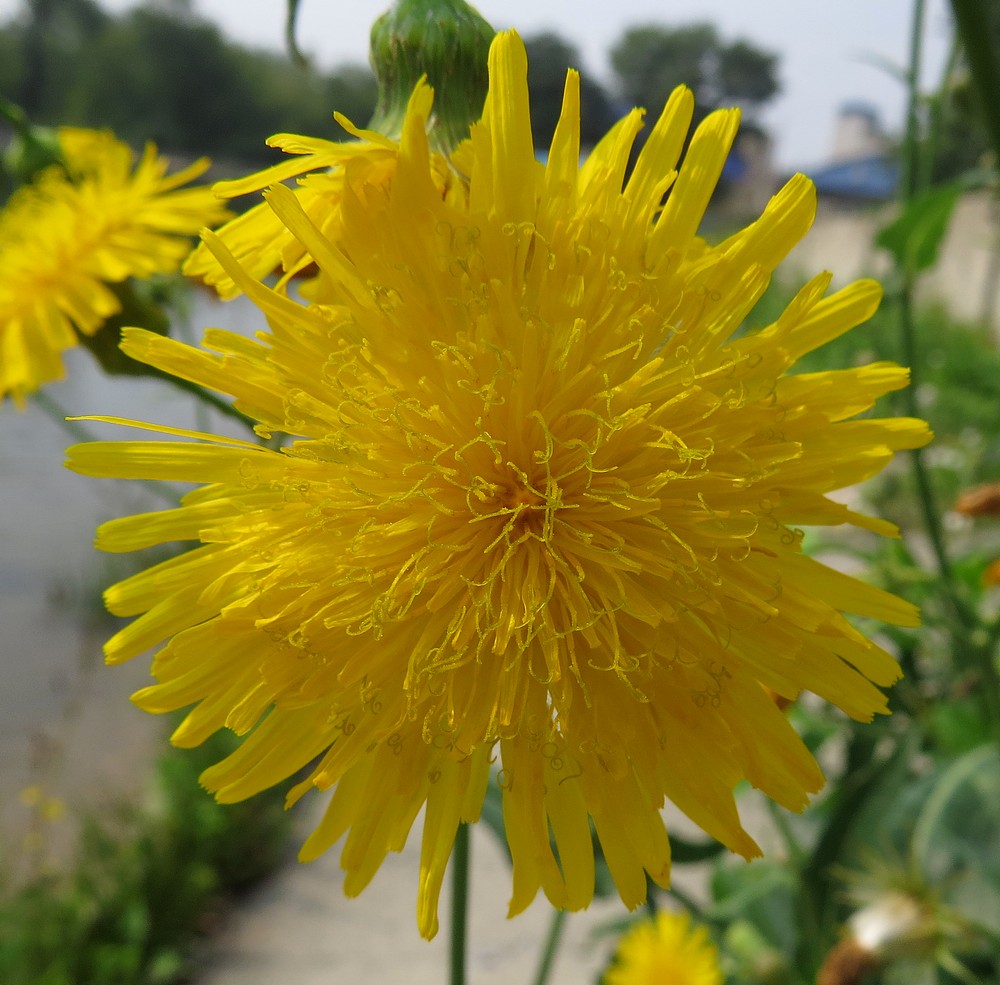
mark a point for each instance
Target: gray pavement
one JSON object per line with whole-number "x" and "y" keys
{"x": 300, "y": 929}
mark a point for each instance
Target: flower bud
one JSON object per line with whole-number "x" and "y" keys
{"x": 448, "y": 42}
{"x": 31, "y": 149}
{"x": 895, "y": 925}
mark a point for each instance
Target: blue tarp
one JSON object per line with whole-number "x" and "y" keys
{"x": 870, "y": 178}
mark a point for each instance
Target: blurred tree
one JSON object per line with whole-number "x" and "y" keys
{"x": 549, "y": 56}
{"x": 46, "y": 40}
{"x": 651, "y": 60}
{"x": 175, "y": 76}
{"x": 351, "y": 90}
{"x": 160, "y": 72}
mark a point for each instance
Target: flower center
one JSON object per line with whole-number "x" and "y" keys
{"x": 518, "y": 504}
{"x": 527, "y": 506}
{"x": 518, "y": 495}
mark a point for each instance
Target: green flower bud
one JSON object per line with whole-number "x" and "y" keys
{"x": 449, "y": 42}
{"x": 32, "y": 148}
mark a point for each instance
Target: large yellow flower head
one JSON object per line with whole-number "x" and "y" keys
{"x": 537, "y": 509}
{"x": 92, "y": 221}
{"x": 667, "y": 950}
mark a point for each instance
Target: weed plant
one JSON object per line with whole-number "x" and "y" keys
{"x": 147, "y": 883}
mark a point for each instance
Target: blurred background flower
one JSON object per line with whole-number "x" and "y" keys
{"x": 78, "y": 228}
{"x": 669, "y": 949}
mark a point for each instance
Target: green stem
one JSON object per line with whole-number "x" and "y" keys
{"x": 937, "y": 112}
{"x": 551, "y": 946}
{"x": 931, "y": 515}
{"x": 459, "y": 904}
{"x": 989, "y": 685}
{"x": 652, "y": 907}
{"x": 689, "y": 903}
{"x": 911, "y": 138}
{"x": 206, "y": 397}
{"x": 56, "y": 413}
{"x": 796, "y": 855}
{"x": 909, "y": 178}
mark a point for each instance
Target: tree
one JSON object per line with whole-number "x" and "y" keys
{"x": 651, "y": 60}
{"x": 161, "y": 72}
{"x": 48, "y": 38}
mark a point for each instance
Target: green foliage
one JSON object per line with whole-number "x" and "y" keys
{"x": 914, "y": 237}
{"x": 189, "y": 88}
{"x": 650, "y": 61}
{"x": 146, "y": 884}
{"x": 978, "y": 27}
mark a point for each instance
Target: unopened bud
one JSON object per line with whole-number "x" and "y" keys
{"x": 448, "y": 42}
{"x": 896, "y": 925}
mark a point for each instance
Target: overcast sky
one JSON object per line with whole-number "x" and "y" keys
{"x": 828, "y": 47}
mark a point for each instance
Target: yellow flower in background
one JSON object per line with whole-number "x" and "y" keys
{"x": 94, "y": 221}
{"x": 537, "y": 511}
{"x": 666, "y": 950}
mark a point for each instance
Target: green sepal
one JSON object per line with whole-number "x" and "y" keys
{"x": 448, "y": 42}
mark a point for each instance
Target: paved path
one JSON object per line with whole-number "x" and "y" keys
{"x": 301, "y": 929}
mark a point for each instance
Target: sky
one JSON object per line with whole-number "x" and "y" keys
{"x": 832, "y": 51}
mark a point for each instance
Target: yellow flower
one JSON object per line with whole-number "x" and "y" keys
{"x": 665, "y": 951}
{"x": 258, "y": 238}
{"x": 78, "y": 228}
{"x": 537, "y": 508}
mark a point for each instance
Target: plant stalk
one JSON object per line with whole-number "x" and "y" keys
{"x": 459, "y": 904}
{"x": 551, "y": 946}
{"x": 909, "y": 179}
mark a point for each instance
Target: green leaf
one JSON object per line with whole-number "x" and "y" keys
{"x": 683, "y": 851}
{"x": 975, "y": 30}
{"x": 761, "y": 893}
{"x": 959, "y": 826}
{"x": 914, "y": 237}
{"x": 959, "y": 725}
{"x": 492, "y": 815}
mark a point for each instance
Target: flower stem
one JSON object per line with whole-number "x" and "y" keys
{"x": 551, "y": 946}
{"x": 909, "y": 178}
{"x": 925, "y": 492}
{"x": 205, "y": 397}
{"x": 689, "y": 903}
{"x": 459, "y": 904}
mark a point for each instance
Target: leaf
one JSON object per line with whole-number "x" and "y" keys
{"x": 683, "y": 851}
{"x": 914, "y": 237}
{"x": 492, "y": 816}
{"x": 959, "y": 725}
{"x": 976, "y": 32}
{"x": 762, "y": 893}
{"x": 959, "y": 826}
{"x": 893, "y": 69}
{"x": 956, "y": 840}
